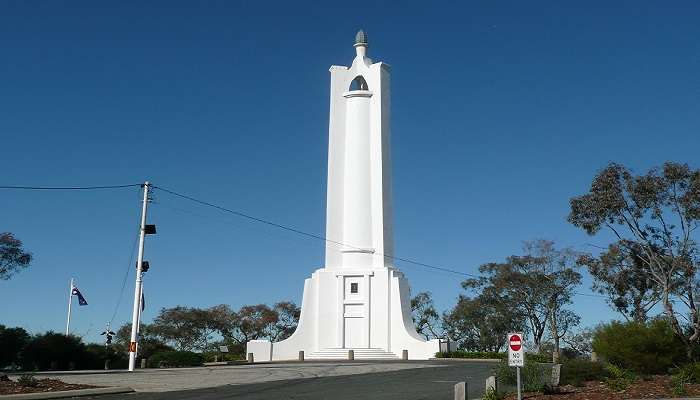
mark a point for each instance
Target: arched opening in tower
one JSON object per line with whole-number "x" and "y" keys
{"x": 359, "y": 83}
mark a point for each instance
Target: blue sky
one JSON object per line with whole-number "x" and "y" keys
{"x": 502, "y": 111}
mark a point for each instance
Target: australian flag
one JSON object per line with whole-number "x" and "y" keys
{"x": 81, "y": 299}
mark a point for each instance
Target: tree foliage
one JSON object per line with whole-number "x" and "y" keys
{"x": 426, "y": 318}
{"x": 286, "y": 322}
{"x": 149, "y": 342}
{"x": 253, "y": 322}
{"x": 54, "y": 351}
{"x": 579, "y": 342}
{"x": 480, "y": 324}
{"x": 188, "y": 328}
{"x": 12, "y": 343}
{"x": 653, "y": 218}
{"x": 13, "y": 257}
{"x": 202, "y": 329}
{"x": 538, "y": 284}
{"x": 565, "y": 321}
{"x": 625, "y": 279}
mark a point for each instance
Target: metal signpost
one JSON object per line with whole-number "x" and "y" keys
{"x": 516, "y": 355}
{"x": 140, "y": 264}
{"x": 223, "y": 350}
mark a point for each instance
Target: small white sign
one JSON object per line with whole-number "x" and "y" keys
{"x": 516, "y": 350}
{"x": 223, "y": 349}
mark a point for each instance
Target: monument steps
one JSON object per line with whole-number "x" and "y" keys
{"x": 360, "y": 354}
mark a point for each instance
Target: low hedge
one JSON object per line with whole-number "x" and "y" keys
{"x": 540, "y": 358}
{"x": 534, "y": 375}
{"x": 472, "y": 354}
{"x": 576, "y": 371}
{"x": 175, "y": 359}
{"x": 481, "y": 355}
{"x": 210, "y": 356}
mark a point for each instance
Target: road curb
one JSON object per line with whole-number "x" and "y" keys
{"x": 67, "y": 393}
{"x": 489, "y": 360}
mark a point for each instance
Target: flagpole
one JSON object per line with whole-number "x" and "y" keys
{"x": 70, "y": 301}
{"x": 139, "y": 280}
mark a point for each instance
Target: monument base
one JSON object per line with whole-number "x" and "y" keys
{"x": 367, "y": 311}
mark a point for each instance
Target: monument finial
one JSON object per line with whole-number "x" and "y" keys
{"x": 361, "y": 38}
{"x": 361, "y": 44}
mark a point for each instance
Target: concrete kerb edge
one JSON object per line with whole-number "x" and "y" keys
{"x": 75, "y": 372}
{"x": 68, "y": 393}
{"x": 489, "y": 360}
{"x": 674, "y": 398}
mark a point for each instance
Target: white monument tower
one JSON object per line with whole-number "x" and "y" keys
{"x": 359, "y": 301}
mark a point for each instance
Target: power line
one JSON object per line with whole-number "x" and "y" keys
{"x": 126, "y": 276}
{"x": 250, "y": 217}
{"x": 70, "y": 187}
{"x": 324, "y": 239}
{"x": 307, "y": 234}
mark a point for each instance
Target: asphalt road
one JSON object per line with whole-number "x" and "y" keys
{"x": 409, "y": 384}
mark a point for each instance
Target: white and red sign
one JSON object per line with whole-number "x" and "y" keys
{"x": 515, "y": 342}
{"x": 516, "y": 352}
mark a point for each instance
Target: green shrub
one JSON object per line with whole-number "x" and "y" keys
{"x": 492, "y": 395}
{"x": 540, "y": 358}
{"x": 210, "y": 356}
{"x": 575, "y": 372}
{"x": 472, "y": 354}
{"x": 175, "y": 359}
{"x": 678, "y": 382}
{"x": 650, "y": 348}
{"x": 27, "y": 380}
{"x": 533, "y": 375}
{"x": 12, "y": 343}
{"x": 504, "y": 373}
{"x": 54, "y": 351}
{"x": 619, "y": 378}
{"x": 97, "y": 354}
{"x": 691, "y": 371}
{"x": 148, "y": 347}
{"x": 481, "y": 355}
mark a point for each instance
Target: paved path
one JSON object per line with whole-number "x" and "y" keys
{"x": 348, "y": 380}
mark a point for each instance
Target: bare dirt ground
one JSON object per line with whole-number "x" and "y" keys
{"x": 654, "y": 387}
{"x": 11, "y": 386}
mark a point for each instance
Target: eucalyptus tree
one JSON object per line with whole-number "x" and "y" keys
{"x": 186, "y": 328}
{"x": 538, "y": 284}
{"x": 13, "y": 257}
{"x": 149, "y": 342}
{"x": 653, "y": 218}
{"x": 286, "y": 319}
{"x": 426, "y": 318}
{"x": 625, "y": 279}
{"x": 261, "y": 321}
{"x": 480, "y": 324}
